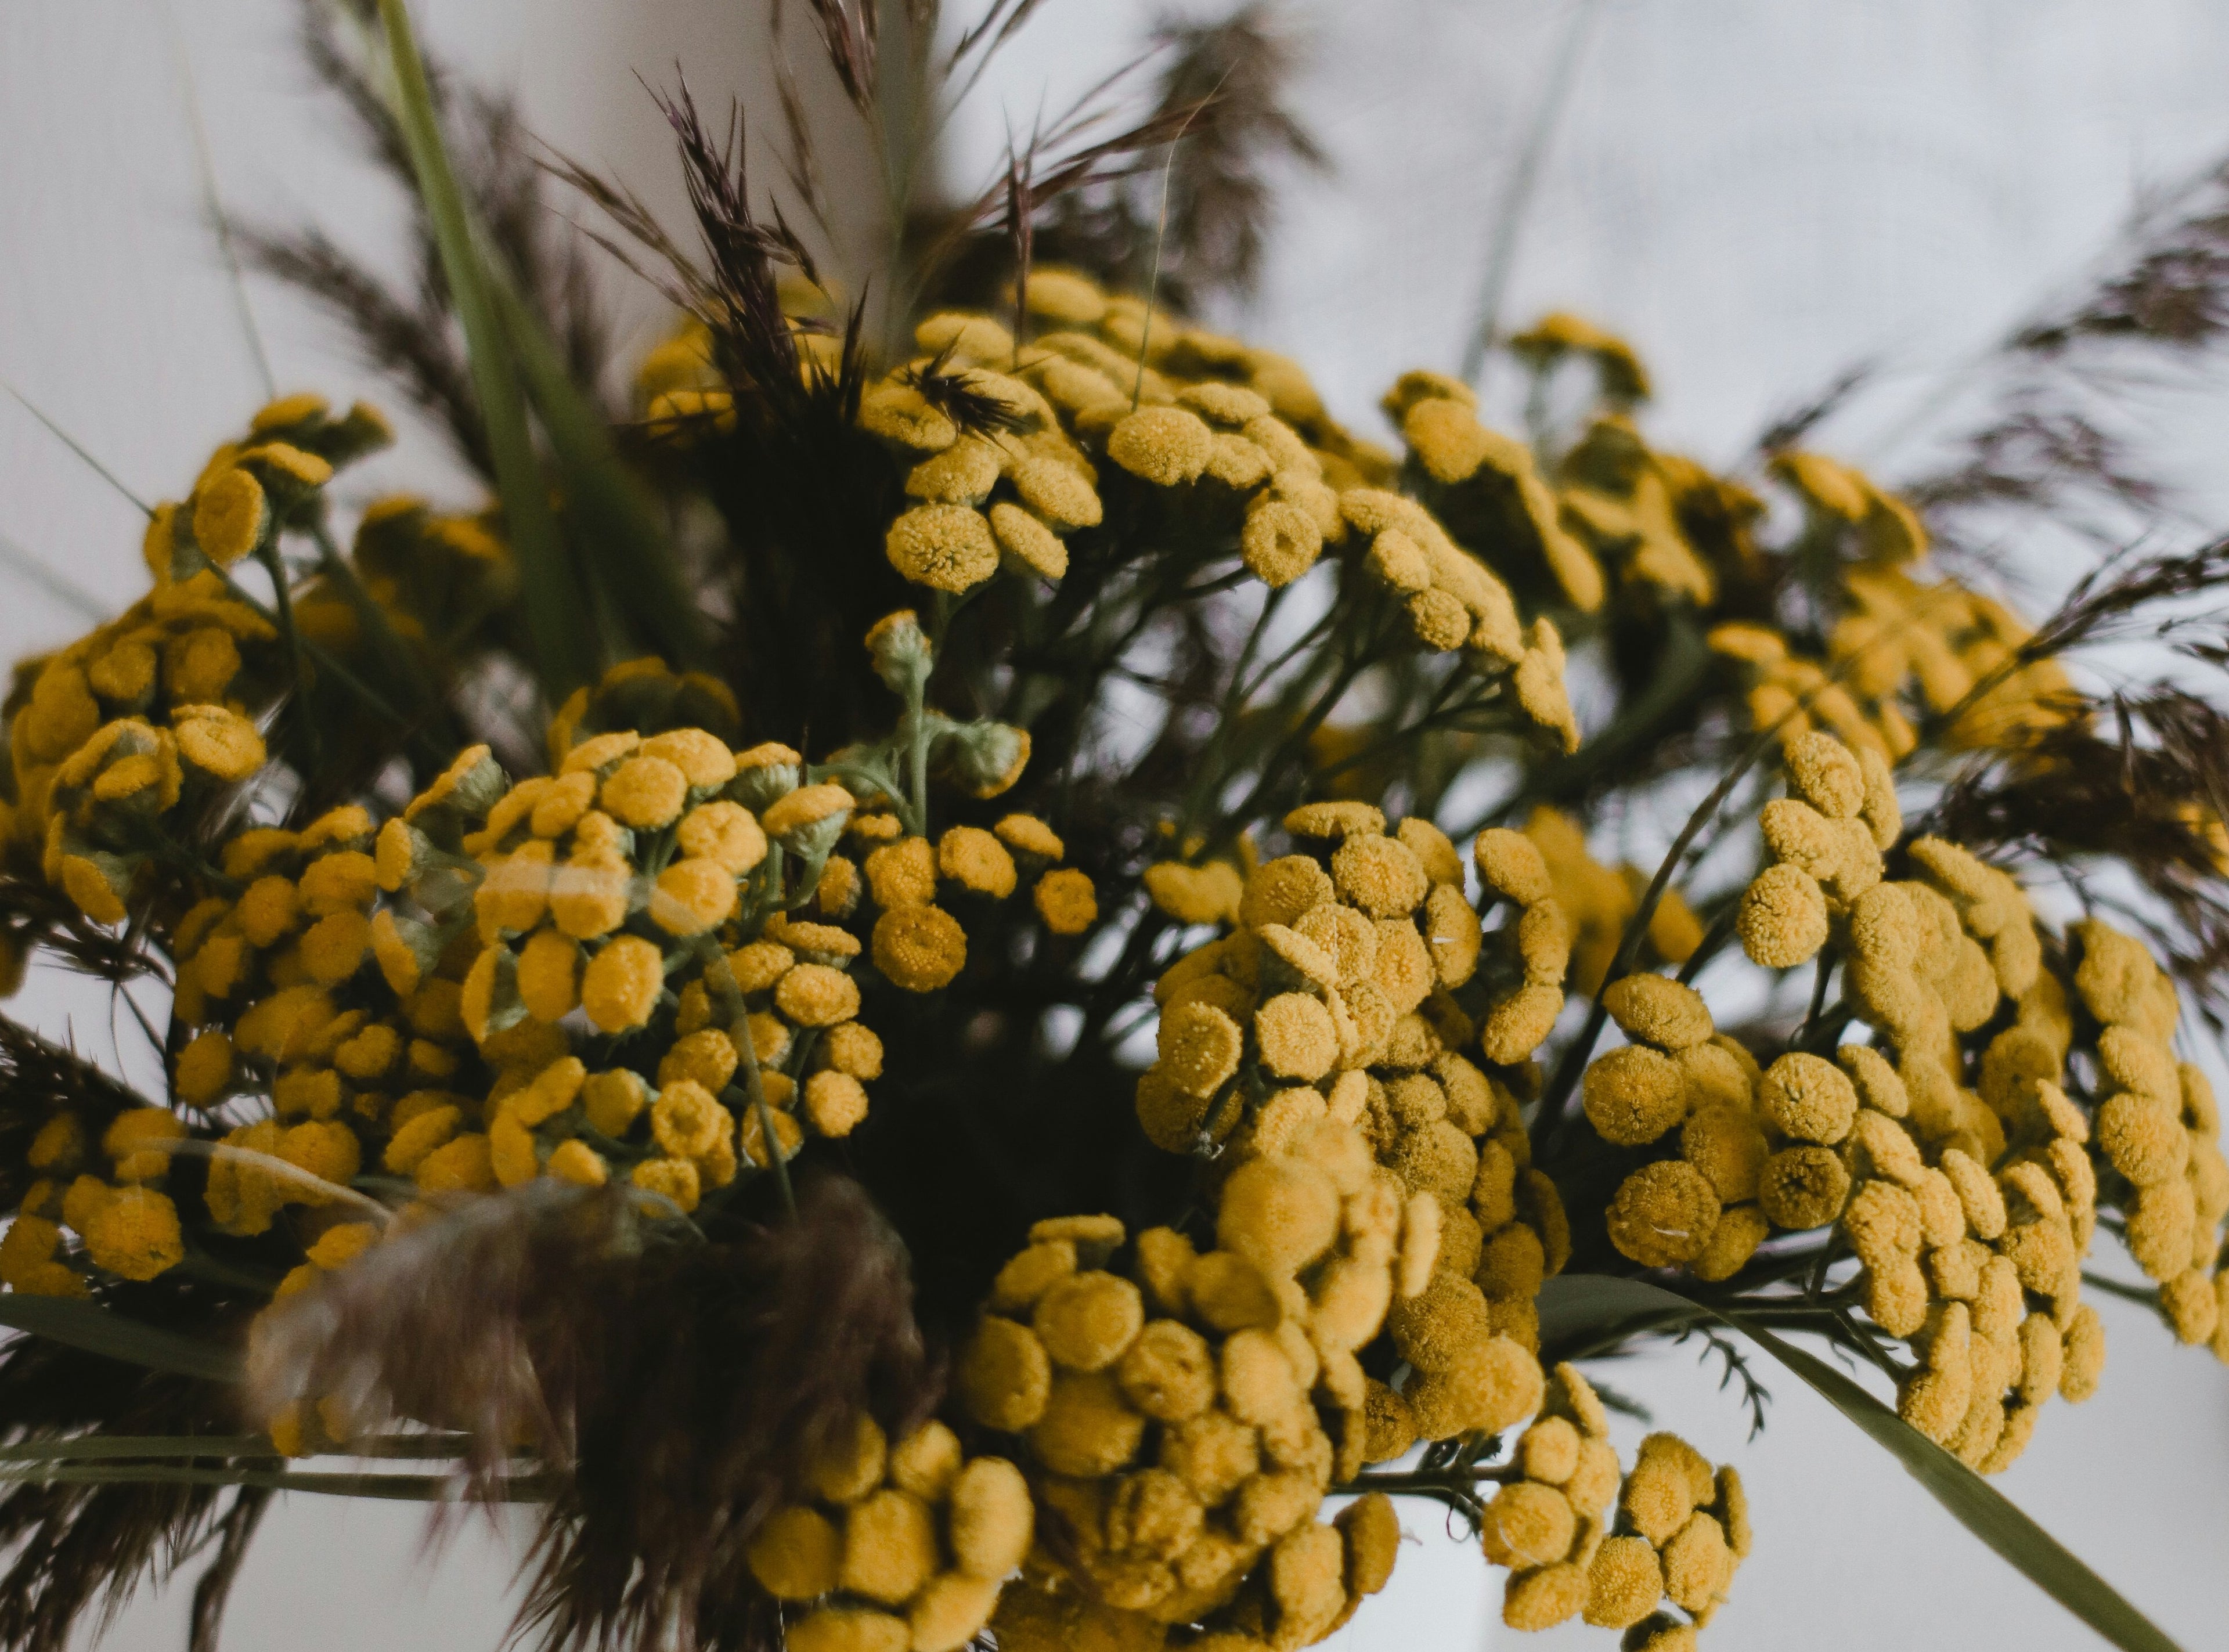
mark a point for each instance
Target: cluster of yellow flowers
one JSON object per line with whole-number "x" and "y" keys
{"x": 129, "y": 1225}
{"x": 1324, "y": 1033}
{"x": 899, "y": 1547}
{"x": 919, "y": 945}
{"x": 1607, "y": 500}
{"x": 154, "y": 709}
{"x": 253, "y": 489}
{"x": 1451, "y": 601}
{"x": 645, "y": 969}
{"x": 434, "y": 580}
{"x": 644, "y": 695}
{"x": 2158, "y": 1132}
{"x": 1678, "y": 1532}
{"x": 647, "y": 874}
{"x": 1352, "y": 993}
{"x": 1898, "y": 649}
{"x": 1230, "y": 442}
{"x": 1950, "y": 1157}
{"x": 1185, "y": 1427}
{"x": 1349, "y": 958}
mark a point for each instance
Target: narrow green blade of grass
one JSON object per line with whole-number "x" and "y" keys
{"x": 548, "y": 589}
{"x": 93, "y": 1448}
{"x": 618, "y": 527}
{"x": 156, "y": 1448}
{"x": 1574, "y": 1304}
{"x": 97, "y": 1330}
{"x": 412, "y": 1489}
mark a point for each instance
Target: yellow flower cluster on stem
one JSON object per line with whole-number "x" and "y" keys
{"x": 1956, "y": 1154}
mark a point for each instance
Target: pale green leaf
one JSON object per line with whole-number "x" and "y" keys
{"x": 97, "y": 1330}
{"x": 549, "y": 590}
{"x": 93, "y": 1448}
{"x": 416, "y": 1489}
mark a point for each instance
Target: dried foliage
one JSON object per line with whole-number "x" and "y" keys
{"x": 2053, "y": 444}
{"x": 1192, "y": 211}
{"x": 674, "y": 1391}
{"x": 74, "y": 1552}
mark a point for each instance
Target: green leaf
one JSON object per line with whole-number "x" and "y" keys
{"x": 550, "y": 588}
{"x": 618, "y": 532}
{"x": 1583, "y": 1307}
{"x": 414, "y": 1488}
{"x": 96, "y": 1330}
{"x": 1585, "y": 1313}
{"x": 92, "y": 1448}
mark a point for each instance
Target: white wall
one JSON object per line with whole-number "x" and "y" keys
{"x": 1756, "y": 193}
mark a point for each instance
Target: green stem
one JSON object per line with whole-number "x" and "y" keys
{"x": 416, "y": 1489}
{"x": 282, "y": 598}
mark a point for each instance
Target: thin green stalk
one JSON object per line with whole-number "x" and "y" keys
{"x": 77, "y": 447}
{"x": 414, "y": 1488}
{"x": 546, "y": 580}
{"x": 205, "y": 172}
{"x": 83, "y": 603}
{"x": 1509, "y": 222}
{"x": 2149, "y": 1297}
{"x": 725, "y": 984}
{"x": 283, "y": 600}
{"x": 321, "y": 656}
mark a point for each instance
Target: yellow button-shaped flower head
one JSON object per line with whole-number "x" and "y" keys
{"x": 646, "y": 792}
{"x": 693, "y": 894}
{"x": 464, "y": 1165}
{"x": 723, "y": 832}
{"x": 135, "y": 1232}
{"x": 1086, "y": 1320}
{"x": 216, "y": 742}
{"x": 1166, "y": 446}
{"x": 815, "y": 995}
{"x": 687, "y": 1121}
{"x": 946, "y": 547}
{"x": 795, "y": 1553}
{"x": 919, "y": 949}
{"x": 1005, "y": 1376}
{"x": 578, "y": 1163}
{"x": 1783, "y": 917}
{"x": 1663, "y": 1214}
{"x": 991, "y": 1518}
{"x": 1803, "y": 1188}
{"x": 675, "y": 1179}
{"x": 613, "y": 1100}
{"x": 1808, "y": 1098}
{"x": 230, "y": 516}
{"x": 1280, "y": 1214}
{"x": 589, "y": 895}
{"x": 1633, "y": 1095}
{"x": 889, "y": 1546}
{"x": 620, "y": 987}
{"x": 1066, "y": 901}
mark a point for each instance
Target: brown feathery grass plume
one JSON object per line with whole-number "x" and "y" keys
{"x": 1221, "y": 104}
{"x": 2052, "y": 445}
{"x": 39, "y": 1079}
{"x": 674, "y": 1389}
{"x": 74, "y": 1552}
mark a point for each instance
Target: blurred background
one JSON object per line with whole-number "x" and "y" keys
{"x": 1759, "y": 196}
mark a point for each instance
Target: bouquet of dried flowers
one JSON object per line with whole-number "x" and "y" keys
{"x": 961, "y": 989}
